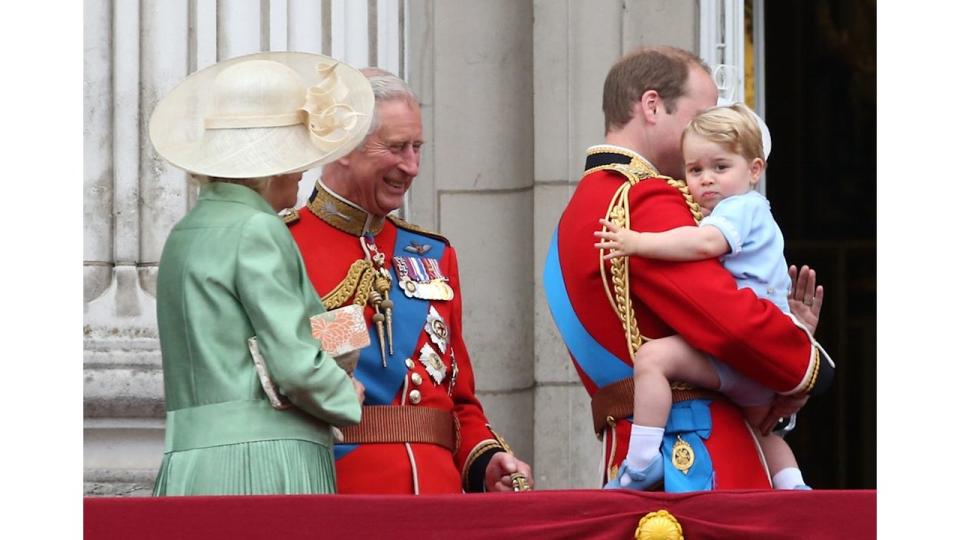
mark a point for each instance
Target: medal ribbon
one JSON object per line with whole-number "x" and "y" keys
{"x": 414, "y": 270}
{"x": 692, "y": 422}
{"x": 433, "y": 270}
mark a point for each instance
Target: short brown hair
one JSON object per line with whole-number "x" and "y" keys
{"x": 733, "y": 127}
{"x": 664, "y": 69}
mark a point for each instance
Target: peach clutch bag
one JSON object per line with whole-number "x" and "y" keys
{"x": 341, "y": 331}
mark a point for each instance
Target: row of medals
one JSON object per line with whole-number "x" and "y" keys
{"x": 435, "y": 289}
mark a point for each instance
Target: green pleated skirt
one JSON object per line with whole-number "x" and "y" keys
{"x": 273, "y": 467}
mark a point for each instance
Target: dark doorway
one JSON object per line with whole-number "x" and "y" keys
{"x": 821, "y": 108}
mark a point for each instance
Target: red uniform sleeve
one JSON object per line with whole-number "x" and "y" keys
{"x": 701, "y": 302}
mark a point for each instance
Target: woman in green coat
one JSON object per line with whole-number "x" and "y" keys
{"x": 246, "y": 128}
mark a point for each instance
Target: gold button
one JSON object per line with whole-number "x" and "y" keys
{"x": 409, "y": 362}
{"x": 416, "y": 378}
{"x": 414, "y": 396}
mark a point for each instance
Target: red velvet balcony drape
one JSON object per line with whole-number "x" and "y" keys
{"x": 566, "y": 514}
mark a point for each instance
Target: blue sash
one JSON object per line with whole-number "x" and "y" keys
{"x": 600, "y": 365}
{"x": 409, "y": 316}
{"x": 689, "y": 419}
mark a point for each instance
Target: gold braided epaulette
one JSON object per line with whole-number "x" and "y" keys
{"x": 291, "y": 217}
{"x": 630, "y": 173}
{"x": 636, "y": 171}
{"x": 417, "y": 229}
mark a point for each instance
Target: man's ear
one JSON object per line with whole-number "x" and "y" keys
{"x": 647, "y": 106}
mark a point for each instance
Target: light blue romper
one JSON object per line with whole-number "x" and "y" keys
{"x": 756, "y": 261}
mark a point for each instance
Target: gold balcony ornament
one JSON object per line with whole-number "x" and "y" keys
{"x": 659, "y": 525}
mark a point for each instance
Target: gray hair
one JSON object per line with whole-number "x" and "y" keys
{"x": 386, "y": 87}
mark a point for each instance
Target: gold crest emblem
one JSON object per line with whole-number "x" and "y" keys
{"x": 683, "y": 455}
{"x": 659, "y": 525}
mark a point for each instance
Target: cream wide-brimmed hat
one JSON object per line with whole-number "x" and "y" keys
{"x": 263, "y": 114}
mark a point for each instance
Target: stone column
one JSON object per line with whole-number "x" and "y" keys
{"x": 305, "y": 31}
{"x": 575, "y": 44}
{"x": 471, "y": 64}
{"x": 133, "y": 200}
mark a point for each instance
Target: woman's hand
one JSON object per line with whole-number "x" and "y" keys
{"x": 359, "y": 388}
{"x": 805, "y": 298}
{"x": 348, "y": 361}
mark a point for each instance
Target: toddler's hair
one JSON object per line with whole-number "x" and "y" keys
{"x": 732, "y": 127}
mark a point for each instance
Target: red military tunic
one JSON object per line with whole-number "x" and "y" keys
{"x": 698, "y": 300}
{"x": 328, "y": 233}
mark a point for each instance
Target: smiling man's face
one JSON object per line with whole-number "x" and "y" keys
{"x": 384, "y": 167}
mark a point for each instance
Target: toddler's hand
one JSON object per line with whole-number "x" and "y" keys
{"x": 613, "y": 240}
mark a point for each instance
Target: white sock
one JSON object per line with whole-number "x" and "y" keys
{"x": 644, "y": 447}
{"x": 788, "y": 478}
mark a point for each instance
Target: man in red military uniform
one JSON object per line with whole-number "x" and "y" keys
{"x": 605, "y": 310}
{"x": 423, "y": 429}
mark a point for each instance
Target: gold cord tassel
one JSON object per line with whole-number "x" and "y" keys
{"x": 378, "y": 321}
{"x": 388, "y": 309}
{"x": 383, "y": 288}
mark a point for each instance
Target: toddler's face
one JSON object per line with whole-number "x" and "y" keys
{"x": 713, "y": 173}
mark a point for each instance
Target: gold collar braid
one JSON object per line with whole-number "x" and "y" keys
{"x": 342, "y": 214}
{"x": 638, "y": 165}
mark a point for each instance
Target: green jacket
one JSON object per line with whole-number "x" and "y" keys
{"x": 230, "y": 270}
